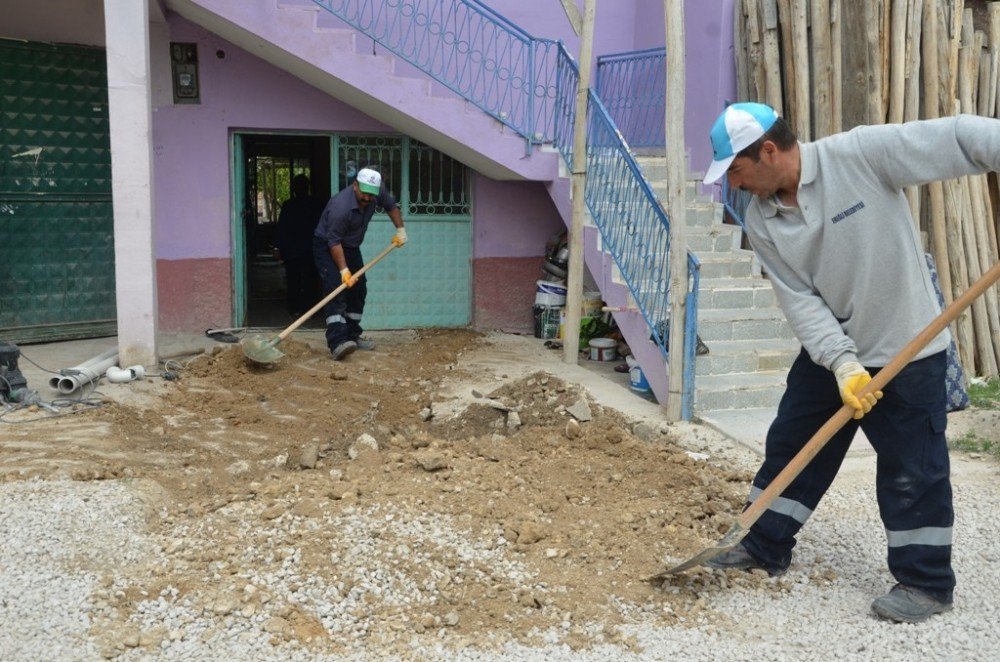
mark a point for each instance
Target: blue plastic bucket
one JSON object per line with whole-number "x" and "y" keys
{"x": 637, "y": 380}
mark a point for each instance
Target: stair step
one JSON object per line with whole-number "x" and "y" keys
{"x": 734, "y": 264}
{"x": 740, "y": 391}
{"x": 743, "y": 324}
{"x": 735, "y": 293}
{"x": 727, "y": 357}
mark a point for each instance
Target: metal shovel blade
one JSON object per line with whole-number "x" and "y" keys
{"x": 261, "y": 349}
{"x": 728, "y": 542}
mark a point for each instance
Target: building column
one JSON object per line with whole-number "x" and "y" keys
{"x": 126, "y": 26}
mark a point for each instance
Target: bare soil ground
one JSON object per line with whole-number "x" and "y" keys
{"x": 506, "y": 520}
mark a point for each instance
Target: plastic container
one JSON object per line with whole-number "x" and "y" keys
{"x": 637, "y": 380}
{"x": 603, "y": 349}
{"x": 549, "y": 293}
{"x": 546, "y": 321}
{"x": 591, "y": 306}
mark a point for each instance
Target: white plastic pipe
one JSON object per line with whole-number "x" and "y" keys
{"x": 111, "y": 353}
{"x": 118, "y": 375}
{"x": 69, "y": 383}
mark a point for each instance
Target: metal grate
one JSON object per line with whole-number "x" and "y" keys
{"x": 633, "y": 88}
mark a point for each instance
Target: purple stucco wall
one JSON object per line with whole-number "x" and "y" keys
{"x": 512, "y": 219}
{"x": 191, "y": 147}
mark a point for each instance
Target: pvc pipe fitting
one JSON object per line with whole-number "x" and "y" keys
{"x": 118, "y": 375}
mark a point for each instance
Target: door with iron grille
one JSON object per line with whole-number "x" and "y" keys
{"x": 426, "y": 283}
{"x": 56, "y": 225}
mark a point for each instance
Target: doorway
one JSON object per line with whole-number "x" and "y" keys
{"x": 270, "y": 162}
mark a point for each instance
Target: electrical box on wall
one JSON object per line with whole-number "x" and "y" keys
{"x": 184, "y": 70}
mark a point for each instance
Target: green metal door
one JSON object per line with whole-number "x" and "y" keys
{"x": 56, "y": 225}
{"x": 427, "y": 283}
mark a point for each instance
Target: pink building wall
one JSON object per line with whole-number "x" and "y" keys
{"x": 512, "y": 221}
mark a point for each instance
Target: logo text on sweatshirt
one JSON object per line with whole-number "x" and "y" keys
{"x": 853, "y": 209}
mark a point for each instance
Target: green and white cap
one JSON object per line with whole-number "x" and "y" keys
{"x": 369, "y": 181}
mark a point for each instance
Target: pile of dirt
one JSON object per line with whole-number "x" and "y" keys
{"x": 334, "y": 491}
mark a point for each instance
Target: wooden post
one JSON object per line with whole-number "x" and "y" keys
{"x": 932, "y": 105}
{"x": 756, "y": 63}
{"x": 976, "y": 236}
{"x": 772, "y": 55}
{"x": 822, "y": 69}
{"x": 855, "y": 67}
{"x": 873, "y": 44}
{"x": 673, "y": 13}
{"x": 836, "y": 69}
{"x": 911, "y": 105}
{"x": 897, "y": 62}
{"x": 574, "y": 281}
{"x": 964, "y": 336}
{"x": 787, "y": 59}
{"x": 800, "y": 48}
{"x": 740, "y": 52}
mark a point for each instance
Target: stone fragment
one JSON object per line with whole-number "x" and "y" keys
{"x": 513, "y": 421}
{"x": 431, "y": 461}
{"x": 309, "y": 455}
{"x": 580, "y": 410}
{"x": 363, "y": 444}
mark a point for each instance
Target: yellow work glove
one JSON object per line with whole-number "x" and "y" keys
{"x": 347, "y": 279}
{"x": 851, "y": 378}
{"x": 399, "y": 238}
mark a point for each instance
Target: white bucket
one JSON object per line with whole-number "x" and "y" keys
{"x": 603, "y": 349}
{"x": 548, "y": 293}
{"x": 549, "y": 300}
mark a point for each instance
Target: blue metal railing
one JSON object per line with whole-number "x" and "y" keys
{"x": 633, "y": 87}
{"x": 470, "y": 49}
{"x": 530, "y": 85}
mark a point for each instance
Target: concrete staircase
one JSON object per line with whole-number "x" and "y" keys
{"x": 751, "y": 345}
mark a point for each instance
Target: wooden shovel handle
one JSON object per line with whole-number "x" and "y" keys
{"x": 325, "y": 300}
{"x": 878, "y": 382}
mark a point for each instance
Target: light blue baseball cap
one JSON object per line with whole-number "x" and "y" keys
{"x": 738, "y": 127}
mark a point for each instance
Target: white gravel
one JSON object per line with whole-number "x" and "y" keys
{"x": 56, "y": 537}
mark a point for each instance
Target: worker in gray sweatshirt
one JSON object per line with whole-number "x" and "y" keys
{"x": 834, "y": 233}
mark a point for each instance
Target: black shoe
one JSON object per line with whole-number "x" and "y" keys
{"x": 341, "y": 351}
{"x": 740, "y": 558}
{"x": 364, "y": 343}
{"x": 906, "y": 604}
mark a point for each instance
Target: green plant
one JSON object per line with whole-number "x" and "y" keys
{"x": 987, "y": 395}
{"x": 592, "y": 327}
{"x": 973, "y": 443}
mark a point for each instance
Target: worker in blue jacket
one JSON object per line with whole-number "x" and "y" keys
{"x": 337, "y": 253}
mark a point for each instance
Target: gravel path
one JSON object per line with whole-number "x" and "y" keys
{"x": 60, "y": 538}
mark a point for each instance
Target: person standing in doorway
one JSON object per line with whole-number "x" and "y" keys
{"x": 337, "y": 253}
{"x": 296, "y": 225}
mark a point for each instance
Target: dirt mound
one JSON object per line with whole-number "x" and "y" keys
{"x": 531, "y": 512}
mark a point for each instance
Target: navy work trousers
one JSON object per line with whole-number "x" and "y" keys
{"x": 344, "y": 311}
{"x": 906, "y": 429}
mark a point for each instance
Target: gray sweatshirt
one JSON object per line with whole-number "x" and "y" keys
{"x": 847, "y": 266}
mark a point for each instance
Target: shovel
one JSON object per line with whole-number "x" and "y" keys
{"x": 264, "y": 351}
{"x": 812, "y": 448}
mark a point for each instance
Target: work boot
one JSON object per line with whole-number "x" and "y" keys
{"x": 341, "y": 351}
{"x": 364, "y": 343}
{"x": 906, "y": 604}
{"x": 740, "y": 558}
